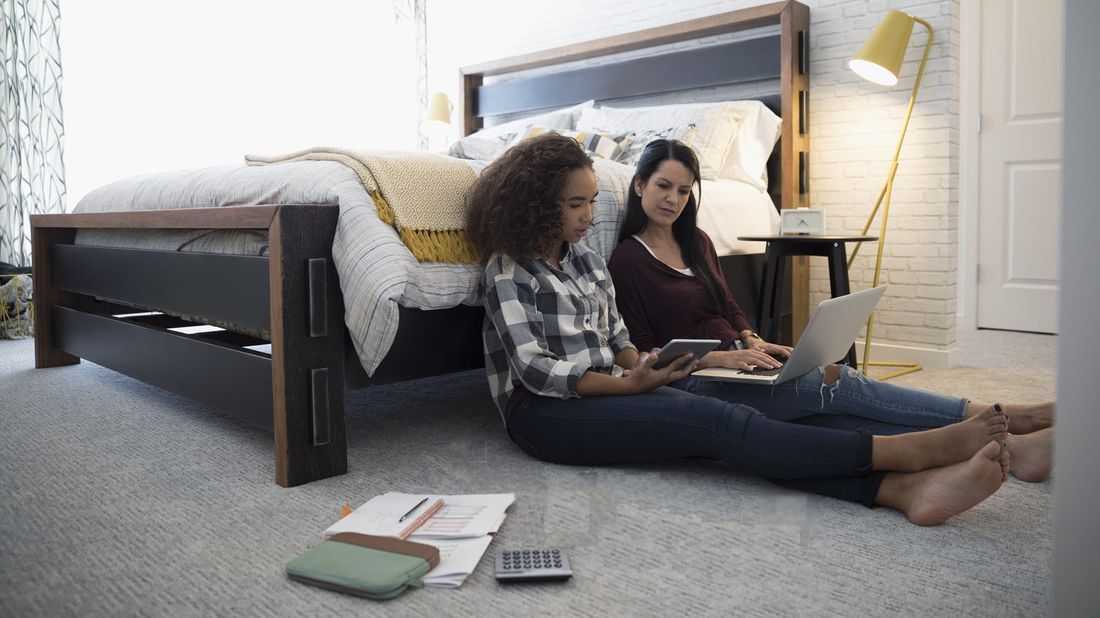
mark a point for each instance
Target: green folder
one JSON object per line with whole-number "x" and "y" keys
{"x": 375, "y": 567}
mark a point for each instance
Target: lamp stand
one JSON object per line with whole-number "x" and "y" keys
{"x": 884, "y": 202}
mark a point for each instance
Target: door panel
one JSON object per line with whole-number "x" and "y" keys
{"x": 1020, "y": 165}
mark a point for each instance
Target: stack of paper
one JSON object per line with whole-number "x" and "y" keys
{"x": 462, "y": 529}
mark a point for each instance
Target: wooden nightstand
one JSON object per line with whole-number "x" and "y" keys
{"x": 782, "y": 246}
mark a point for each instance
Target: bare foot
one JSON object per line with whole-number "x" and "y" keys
{"x": 1032, "y": 455}
{"x": 934, "y": 448}
{"x": 931, "y": 497}
{"x": 1022, "y": 418}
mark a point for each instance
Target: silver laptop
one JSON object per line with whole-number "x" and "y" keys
{"x": 827, "y": 339}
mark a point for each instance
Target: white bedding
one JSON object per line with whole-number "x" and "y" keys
{"x": 377, "y": 272}
{"x": 731, "y": 208}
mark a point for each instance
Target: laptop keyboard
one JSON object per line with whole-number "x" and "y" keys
{"x": 760, "y": 371}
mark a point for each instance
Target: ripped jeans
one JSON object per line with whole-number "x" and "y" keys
{"x": 852, "y": 395}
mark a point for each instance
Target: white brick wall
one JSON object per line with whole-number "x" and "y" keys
{"x": 854, "y": 126}
{"x": 855, "y": 129}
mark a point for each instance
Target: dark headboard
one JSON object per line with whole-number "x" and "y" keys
{"x": 758, "y": 60}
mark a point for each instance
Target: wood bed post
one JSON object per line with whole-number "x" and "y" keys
{"x": 307, "y": 346}
{"x": 795, "y": 145}
{"x": 46, "y": 353}
{"x": 468, "y": 85}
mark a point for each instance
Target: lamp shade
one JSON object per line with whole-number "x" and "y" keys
{"x": 439, "y": 109}
{"x": 880, "y": 59}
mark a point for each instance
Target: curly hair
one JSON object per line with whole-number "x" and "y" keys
{"x": 515, "y": 206}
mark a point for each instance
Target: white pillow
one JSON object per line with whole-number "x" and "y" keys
{"x": 730, "y": 209}
{"x": 709, "y": 128}
{"x": 487, "y": 143}
{"x": 747, "y": 159}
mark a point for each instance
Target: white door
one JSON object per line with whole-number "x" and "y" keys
{"x": 1020, "y": 164}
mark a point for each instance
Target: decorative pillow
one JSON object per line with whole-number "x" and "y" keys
{"x": 489, "y": 142}
{"x": 709, "y": 128}
{"x": 599, "y": 145}
{"x": 16, "y": 306}
{"x": 638, "y": 140}
{"x": 747, "y": 159}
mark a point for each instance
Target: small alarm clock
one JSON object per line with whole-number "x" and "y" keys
{"x": 802, "y": 221}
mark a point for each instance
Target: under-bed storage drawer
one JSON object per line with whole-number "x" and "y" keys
{"x": 230, "y": 379}
{"x": 225, "y": 288}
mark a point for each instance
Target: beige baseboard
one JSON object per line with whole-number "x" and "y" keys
{"x": 887, "y": 352}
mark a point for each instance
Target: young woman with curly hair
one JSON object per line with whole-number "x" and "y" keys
{"x": 572, "y": 389}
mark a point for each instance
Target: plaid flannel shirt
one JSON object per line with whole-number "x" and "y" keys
{"x": 545, "y": 327}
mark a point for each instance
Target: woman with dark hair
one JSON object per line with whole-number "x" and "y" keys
{"x": 572, "y": 389}
{"x": 669, "y": 285}
{"x": 694, "y": 301}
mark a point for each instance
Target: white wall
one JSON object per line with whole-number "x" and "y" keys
{"x": 854, "y": 129}
{"x": 153, "y": 86}
{"x": 1077, "y": 500}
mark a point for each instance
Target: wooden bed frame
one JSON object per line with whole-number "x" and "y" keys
{"x": 293, "y": 294}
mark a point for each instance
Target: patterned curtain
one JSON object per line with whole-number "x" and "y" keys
{"x": 412, "y": 16}
{"x": 32, "y": 173}
{"x": 420, "y": 16}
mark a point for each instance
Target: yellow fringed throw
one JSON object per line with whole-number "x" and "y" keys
{"x": 422, "y": 195}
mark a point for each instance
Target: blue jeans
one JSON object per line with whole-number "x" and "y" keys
{"x": 668, "y": 423}
{"x": 852, "y": 395}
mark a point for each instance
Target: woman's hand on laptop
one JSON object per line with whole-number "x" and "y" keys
{"x": 740, "y": 359}
{"x": 751, "y": 341}
{"x": 772, "y": 349}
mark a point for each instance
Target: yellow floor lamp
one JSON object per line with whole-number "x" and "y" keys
{"x": 879, "y": 61}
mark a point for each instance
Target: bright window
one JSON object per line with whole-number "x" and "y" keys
{"x": 153, "y": 86}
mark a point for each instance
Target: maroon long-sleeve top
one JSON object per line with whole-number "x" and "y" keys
{"x": 660, "y": 303}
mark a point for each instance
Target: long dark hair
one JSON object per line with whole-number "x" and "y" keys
{"x": 684, "y": 228}
{"x": 515, "y": 206}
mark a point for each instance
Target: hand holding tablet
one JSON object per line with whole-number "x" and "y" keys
{"x": 678, "y": 347}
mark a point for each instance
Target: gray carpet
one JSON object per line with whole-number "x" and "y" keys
{"x": 121, "y": 499}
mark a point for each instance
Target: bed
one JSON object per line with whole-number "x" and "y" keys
{"x": 297, "y": 333}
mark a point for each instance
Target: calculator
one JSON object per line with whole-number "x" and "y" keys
{"x": 547, "y": 564}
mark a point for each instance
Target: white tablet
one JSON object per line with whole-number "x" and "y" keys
{"x": 678, "y": 347}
